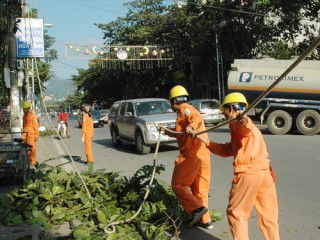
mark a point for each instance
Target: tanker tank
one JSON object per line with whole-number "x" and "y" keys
{"x": 253, "y": 76}
{"x": 293, "y": 104}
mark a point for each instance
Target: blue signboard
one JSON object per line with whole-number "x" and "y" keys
{"x": 30, "y": 41}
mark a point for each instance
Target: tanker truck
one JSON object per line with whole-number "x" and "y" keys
{"x": 293, "y": 104}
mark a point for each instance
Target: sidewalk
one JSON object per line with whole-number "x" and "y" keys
{"x": 46, "y": 152}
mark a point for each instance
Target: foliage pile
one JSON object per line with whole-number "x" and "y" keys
{"x": 54, "y": 196}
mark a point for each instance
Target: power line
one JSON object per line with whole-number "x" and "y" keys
{"x": 244, "y": 12}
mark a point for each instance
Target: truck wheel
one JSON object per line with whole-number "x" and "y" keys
{"x": 142, "y": 149}
{"x": 308, "y": 122}
{"x": 279, "y": 122}
{"x": 114, "y": 136}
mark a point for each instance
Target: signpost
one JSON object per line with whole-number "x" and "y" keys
{"x": 30, "y": 41}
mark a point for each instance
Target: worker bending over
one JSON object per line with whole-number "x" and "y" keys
{"x": 254, "y": 180}
{"x": 191, "y": 174}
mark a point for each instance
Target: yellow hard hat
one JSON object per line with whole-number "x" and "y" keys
{"x": 178, "y": 91}
{"x": 235, "y": 97}
{"x": 26, "y": 105}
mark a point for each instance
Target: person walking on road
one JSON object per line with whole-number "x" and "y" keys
{"x": 254, "y": 180}
{"x": 87, "y": 134}
{"x": 30, "y": 130}
{"x": 191, "y": 174}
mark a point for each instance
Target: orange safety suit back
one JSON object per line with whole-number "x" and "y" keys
{"x": 87, "y": 132}
{"x": 189, "y": 116}
{"x": 191, "y": 175}
{"x": 30, "y": 133}
{"x": 253, "y": 183}
{"x": 247, "y": 146}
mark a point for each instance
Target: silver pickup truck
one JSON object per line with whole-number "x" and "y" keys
{"x": 135, "y": 121}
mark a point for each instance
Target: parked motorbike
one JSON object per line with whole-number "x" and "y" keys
{"x": 62, "y": 129}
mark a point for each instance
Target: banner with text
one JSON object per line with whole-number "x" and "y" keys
{"x": 30, "y": 41}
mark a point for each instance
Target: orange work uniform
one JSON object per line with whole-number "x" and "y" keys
{"x": 253, "y": 183}
{"x": 87, "y": 132}
{"x": 31, "y": 133}
{"x": 191, "y": 174}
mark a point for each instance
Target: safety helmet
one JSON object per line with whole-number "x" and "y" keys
{"x": 177, "y": 91}
{"x": 26, "y": 104}
{"x": 234, "y": 98}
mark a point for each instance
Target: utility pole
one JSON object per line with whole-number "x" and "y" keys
{"x": 15, "y": 110}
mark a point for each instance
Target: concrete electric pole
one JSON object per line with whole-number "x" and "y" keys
{"x": 15, "y": 110}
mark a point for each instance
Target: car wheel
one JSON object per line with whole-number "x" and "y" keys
{"x": 142, "y": 149}
{"x": 114, "y": 136}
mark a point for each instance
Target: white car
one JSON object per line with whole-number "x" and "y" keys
{"x": 105, "y": 114}
{"x": 209, "y": 110}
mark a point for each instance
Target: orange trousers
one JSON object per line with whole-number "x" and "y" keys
{"x": 251, "y": 189}
{"x": 191, "y": 183}
{"x": 88, "y": 148}
{"x": 33, "y": 152}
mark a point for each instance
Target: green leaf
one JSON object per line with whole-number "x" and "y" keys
{"x": 58, "y": 215}
{"x": 35, "y": 200}
{"x": 57, "y": 190}
{"x": 102, "y": 217}
{"x": 47, "y": 209}
{"x": 80, "y": 234}
{"x": 39, "y": 215}
{"x": 46, "y": 195}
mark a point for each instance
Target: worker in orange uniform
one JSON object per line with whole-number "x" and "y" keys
{"x": 191, "y": 174}
{"x": 254, "y": 179}
{"x": 87, "y": 134}
{"x": 30, "y": 130}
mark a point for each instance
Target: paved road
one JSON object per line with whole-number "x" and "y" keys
{"x": 296, "y": 159}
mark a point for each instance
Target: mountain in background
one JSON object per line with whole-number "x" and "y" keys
{"x": 58, "y": 89}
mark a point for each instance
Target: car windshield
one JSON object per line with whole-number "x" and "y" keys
{"x": 153, "y": 107}
{"x": 95, "y": 114}
{"x": 209, "y": 105}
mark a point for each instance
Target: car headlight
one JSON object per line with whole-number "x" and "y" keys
{"x": 151, "y": 126}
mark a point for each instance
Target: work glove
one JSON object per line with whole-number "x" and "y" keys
{"x": 189, "y": 130}
{"x": 160, "y": 127}
{"x": 242, "y": 118}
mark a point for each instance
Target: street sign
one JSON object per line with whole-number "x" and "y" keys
{"x": 30, "y": 41}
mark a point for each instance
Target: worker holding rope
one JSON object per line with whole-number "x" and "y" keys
{"x": 254, "y": 179}
{"x": 191, "y": 174}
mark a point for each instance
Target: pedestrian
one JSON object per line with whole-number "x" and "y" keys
{"x": 30, "y": 130}
{"x": 87, "y": 134}
{"x": 64, "y": 116}
{"x": 191, "y": 174}
{"x": 254, "y": 180}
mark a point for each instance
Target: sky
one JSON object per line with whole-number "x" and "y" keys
{"x": 73, "y": 25}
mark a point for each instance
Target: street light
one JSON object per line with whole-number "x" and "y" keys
{"x": 219, "y": 61}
